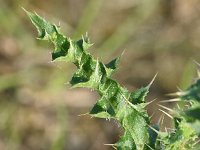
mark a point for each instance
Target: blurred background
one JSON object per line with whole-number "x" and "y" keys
{"x": 39, "y": 111}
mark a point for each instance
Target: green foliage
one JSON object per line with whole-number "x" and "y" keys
{"x": 187, "y": 122}
{"x": 116, "y": 102}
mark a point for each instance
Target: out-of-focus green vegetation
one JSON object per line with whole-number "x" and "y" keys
{"x": 37, "y": 110}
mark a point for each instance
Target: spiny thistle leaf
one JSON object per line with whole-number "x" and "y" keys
{"x": 192, "y": 93}
{"x": 112, "y": 66}
{"x": 115, "y": 102}
{"x": 183, "y": 137}
{"x": 192, "y": 114}
{"x": 187, "y": 122}
{"x": 139, "y": 95}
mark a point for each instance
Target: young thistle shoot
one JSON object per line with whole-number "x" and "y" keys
{"x": 115, "y": 102}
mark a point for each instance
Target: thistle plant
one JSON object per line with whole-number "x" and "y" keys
{"x": 185, "y": 135}
{"x": 116, "y": 102}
